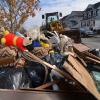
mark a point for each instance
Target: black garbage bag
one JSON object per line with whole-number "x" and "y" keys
{"x": 37, "y": 73}
{"x": 13, "y": 78}
{"x": 55, "y": 59}
{"x": 58, "y": 60}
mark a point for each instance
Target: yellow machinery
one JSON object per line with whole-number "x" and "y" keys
{"x": 52, "y": 22}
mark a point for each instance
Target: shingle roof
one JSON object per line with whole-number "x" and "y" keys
{"x": 79, "y": 13}
{"x": 76, "y": 13}
{"x": 91, "y": 6}
{"x": 96, "y": 5}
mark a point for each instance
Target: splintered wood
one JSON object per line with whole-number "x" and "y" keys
{"x": 77, "y": 70}
{"x": 81, "y": 47}
{"x": 83, "y": 51}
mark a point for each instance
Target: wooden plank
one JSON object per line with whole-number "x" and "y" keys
{"x": 83, "y": 76}
{"x": 72, "y": 71}
{"x": 81, "y": 47}
{"x": 44, "y": 86}
{"x": 92, "y": 55}
{"x": 85, "y": 54}
{"x": 93, "y": 60}
{"x": 82, "y": 61}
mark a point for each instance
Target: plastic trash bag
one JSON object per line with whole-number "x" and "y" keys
{"x": 13, "y": 78}
{"x": 58, "y": 60}
{"x": 37, "y": 73}
{"x": 55, "y": 59}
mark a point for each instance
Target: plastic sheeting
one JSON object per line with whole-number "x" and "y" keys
{"x": 32, "y": 75}
{"x": 13, "y": 78}
{"x": 58, "y": 60}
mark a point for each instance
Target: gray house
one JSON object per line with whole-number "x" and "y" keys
{"x": 91, "y": 17}
{"x": 72, "y": 20}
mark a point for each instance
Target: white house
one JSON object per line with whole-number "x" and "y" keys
{"x": 91, "y": 17}
{"x": 72, "y": 20}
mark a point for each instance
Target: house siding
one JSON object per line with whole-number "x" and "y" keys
{"x": 97, "y": 24}
{"x": 73, "y": 19}
{"x": 91, "y": 17}
{"x": 87, "y": 19}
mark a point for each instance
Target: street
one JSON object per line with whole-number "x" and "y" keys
{"x": 92, "y": 42}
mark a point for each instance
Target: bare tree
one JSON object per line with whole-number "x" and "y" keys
{"x": 13, "y": 13}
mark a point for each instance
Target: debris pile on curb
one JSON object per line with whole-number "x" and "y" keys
{"x": 46, "y": 62}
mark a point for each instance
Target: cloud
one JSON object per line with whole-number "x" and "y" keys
{"x": 56, "y": 5}
{"x": 82, "y": 4}
{"x": 50, "y": 3}
{"x": 64, "y": 6}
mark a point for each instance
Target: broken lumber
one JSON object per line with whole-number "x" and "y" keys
{"x": 82, "y": 76}
{"x": 82, "y": 50}
{"x": 92, "y": 59}
{"x": 91, "y": 55}
{"x": 80, "y": 47}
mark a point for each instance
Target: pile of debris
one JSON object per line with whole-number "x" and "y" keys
{"x": 47, "y": 62}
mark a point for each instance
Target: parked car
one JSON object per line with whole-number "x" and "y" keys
{"x": 85, "y": 33}
{"x": 88, "y": 33}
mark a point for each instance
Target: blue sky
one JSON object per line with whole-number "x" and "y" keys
{"x": 64, "y": 6}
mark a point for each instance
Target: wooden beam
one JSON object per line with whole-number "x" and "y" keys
{"x": 81, "y": 47}
{"x": 83, "y": 76}
{"x": 94, "y": 60}
{"x": 92, "y": 55}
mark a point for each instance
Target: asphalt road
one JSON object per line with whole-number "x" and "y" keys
{"x": 92, "y": 42}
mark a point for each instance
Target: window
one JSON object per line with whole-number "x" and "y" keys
{"x": 92, "y": 13}
{"x": 89, "y": 14}
{"x": 96, "y": 12}
{"x": 52, "y": 18}
{"x": 81, "y": 24}
{"x": 84, "y": 23}
{"x": 85, "y": 15}
{"x": 94, "y": 23}
{"x": 88, "y": 22}
{"x": 73, "y": 22}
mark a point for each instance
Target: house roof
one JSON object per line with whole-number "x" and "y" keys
{"x": 92, "y": 6}
{"x": 96, "y": 5}
{"x": 77, "y": 12}
{"x": 64, "y": 17}
{"x": 73, "y": 13}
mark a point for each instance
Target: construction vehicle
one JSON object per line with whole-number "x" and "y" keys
{"x": 52, "y": 23}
